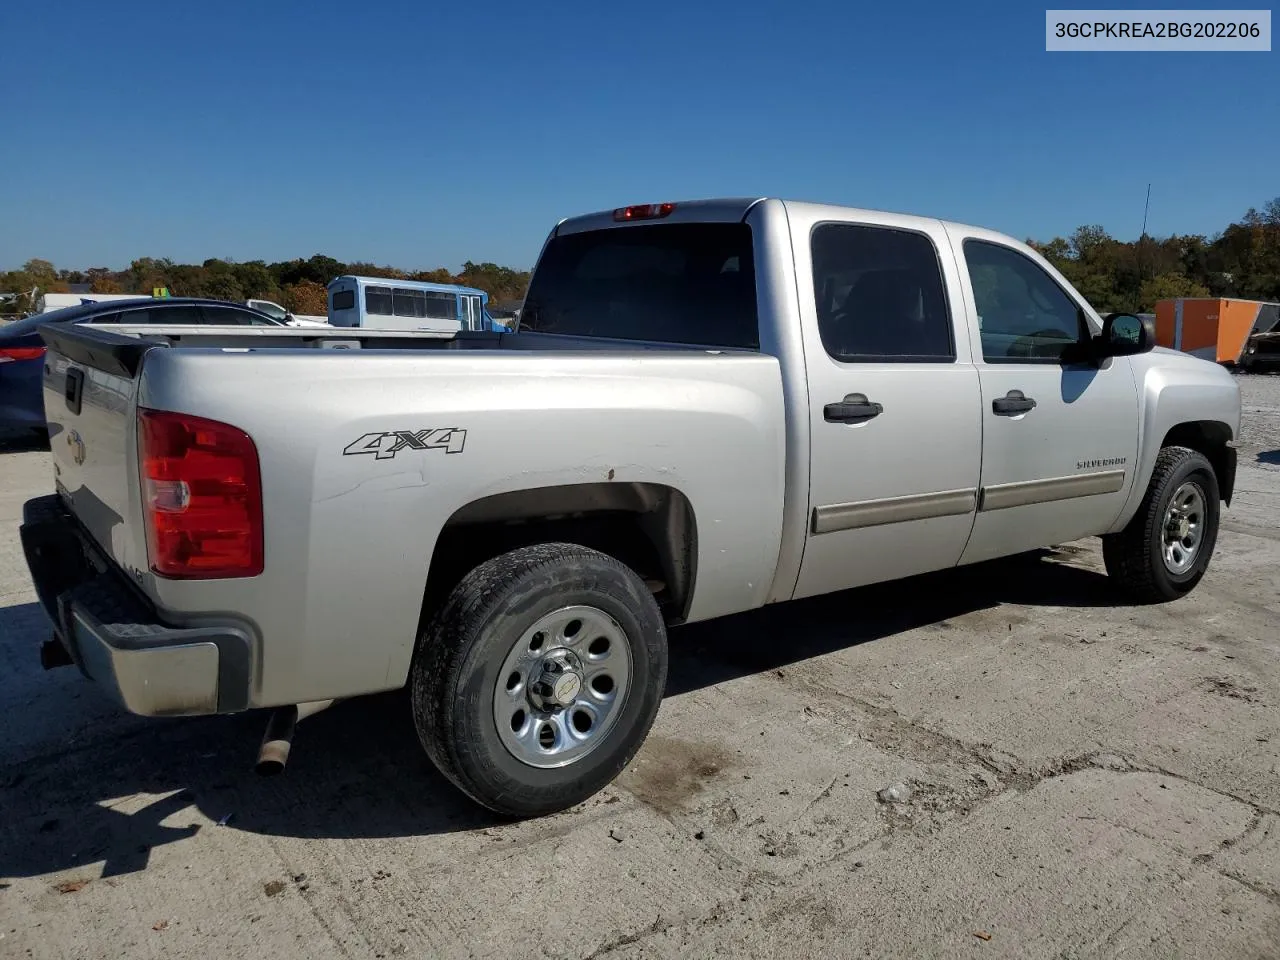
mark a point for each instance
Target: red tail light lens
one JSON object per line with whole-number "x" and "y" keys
{"x": 201, "y": 497}
{"x": 644, "y": 211}
{"x": 10, "y": 354}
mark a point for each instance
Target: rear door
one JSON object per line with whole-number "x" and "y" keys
{"x": 895, "y": 433}
{"x": 1059, "y": 441}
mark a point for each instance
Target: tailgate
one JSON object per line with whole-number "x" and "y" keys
{"x": 90, "y": 399}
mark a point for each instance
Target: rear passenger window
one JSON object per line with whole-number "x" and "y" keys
{"x": 344, "y": 300}
{"x": 879, "y": 295}
{"x": 377, "y": 300}
{"x": 408, "y": 303}
{"x": 171, "y": 316}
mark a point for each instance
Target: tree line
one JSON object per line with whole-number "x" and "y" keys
{"x": 297, "y": 284}
{"x": 1242, "y": 260}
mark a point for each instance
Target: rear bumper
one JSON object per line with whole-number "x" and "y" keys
{"x": 116, "y": 637}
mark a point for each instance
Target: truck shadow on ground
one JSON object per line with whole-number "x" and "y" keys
{"x": 119, "y": 788}
{"x": 717, "y": 651}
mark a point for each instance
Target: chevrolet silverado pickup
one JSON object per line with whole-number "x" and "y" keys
{"x": 707, "y": 407}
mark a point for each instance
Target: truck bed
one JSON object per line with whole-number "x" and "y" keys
{"x": 351, "y": 526}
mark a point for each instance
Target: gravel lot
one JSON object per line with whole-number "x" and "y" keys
{"x": 1084, "y": 779}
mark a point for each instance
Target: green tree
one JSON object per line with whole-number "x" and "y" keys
{"x": 360, "y": 269}
{"x": 41, "y": 272}
{"x": 101, "y": 280}
{"x": 255, "y": 280}
{"x": 438, "y": 275}
{"x": 307, "y": 297}
{"x": 1168, "y": 286}
{"x": 1090, "y": 244}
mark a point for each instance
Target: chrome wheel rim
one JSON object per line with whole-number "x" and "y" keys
{"x": 1183, "y": 530}
{"x": 562, "y": 686}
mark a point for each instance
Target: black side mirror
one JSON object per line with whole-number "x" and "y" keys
{"x": 1124, "y": 335}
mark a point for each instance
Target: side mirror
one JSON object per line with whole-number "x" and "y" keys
{"x": 1124, "y": 335}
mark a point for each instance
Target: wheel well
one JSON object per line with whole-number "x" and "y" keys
{"x": 649, "y": 527}
{"x": 1210, "y": 437}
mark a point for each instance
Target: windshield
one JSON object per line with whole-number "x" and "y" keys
{"x": 267, "y": 307}
{"x": 672, "y": 283}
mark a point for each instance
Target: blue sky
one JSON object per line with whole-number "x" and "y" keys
{"x": 426, "y": 134}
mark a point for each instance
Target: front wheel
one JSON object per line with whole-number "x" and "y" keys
{"x": 539, "y": 678}
{"x": 1165, "y": 549}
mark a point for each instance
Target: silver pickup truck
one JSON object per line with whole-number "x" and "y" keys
{"x": 708, "y": 407}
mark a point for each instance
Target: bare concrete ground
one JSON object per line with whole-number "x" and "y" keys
{"x": 1086, "y": 780}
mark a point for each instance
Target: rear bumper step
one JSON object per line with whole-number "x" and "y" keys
{"x": 116, "y": 638}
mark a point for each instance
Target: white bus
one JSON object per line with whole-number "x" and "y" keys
{"x": 383, "y": 304}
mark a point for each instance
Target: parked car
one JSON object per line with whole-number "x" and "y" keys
{"x": 708, "y": 407}
{"x": 22, "y": 351}
{"x": 287, "y": 317}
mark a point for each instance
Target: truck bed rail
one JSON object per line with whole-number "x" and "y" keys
{"x": 120, "y": 348}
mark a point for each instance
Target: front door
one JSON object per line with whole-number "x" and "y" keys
{"x": 1059, "y": 441}
{"x": 894, "y": 426}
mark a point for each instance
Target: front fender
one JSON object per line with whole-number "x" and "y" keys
{"x": 1181, "y": 394}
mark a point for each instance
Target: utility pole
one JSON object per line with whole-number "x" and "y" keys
{"x": 1143, "y": 239}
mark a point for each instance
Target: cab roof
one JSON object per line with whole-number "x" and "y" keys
{"x": 727, "y": 210}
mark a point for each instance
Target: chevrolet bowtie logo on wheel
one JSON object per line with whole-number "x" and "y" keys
{"x": 386, "y": 445}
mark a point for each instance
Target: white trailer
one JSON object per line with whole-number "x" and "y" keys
{"x": 57, "y": 301}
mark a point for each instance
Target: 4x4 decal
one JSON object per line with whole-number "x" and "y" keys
{"x": 386, "y": 445}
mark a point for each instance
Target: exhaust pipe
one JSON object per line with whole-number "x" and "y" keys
{"x": 274, "y": 752}
{"x": 278, "y": 738}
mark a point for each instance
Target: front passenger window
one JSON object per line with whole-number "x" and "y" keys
{"x": 1024, "y": 316}
{"x": 230, "y": 316}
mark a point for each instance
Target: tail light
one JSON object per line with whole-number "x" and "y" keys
{"x": 201, "y": 497}
{"x": 644, "y": 211}
{"x": 10, "y": 354}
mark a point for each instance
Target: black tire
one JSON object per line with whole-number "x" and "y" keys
{"x": 460, "y": 656}
{"x": 1134, "y": 557}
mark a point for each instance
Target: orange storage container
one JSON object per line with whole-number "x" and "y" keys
{"x": 1215, "y": 328}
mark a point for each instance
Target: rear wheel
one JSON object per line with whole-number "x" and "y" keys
{"x": 539, "y": 678}
{"x": 1165, "y": 549}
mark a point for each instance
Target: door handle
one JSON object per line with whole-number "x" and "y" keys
{"x": 855, "y": 408}
{"x": 1011, "y": 404}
